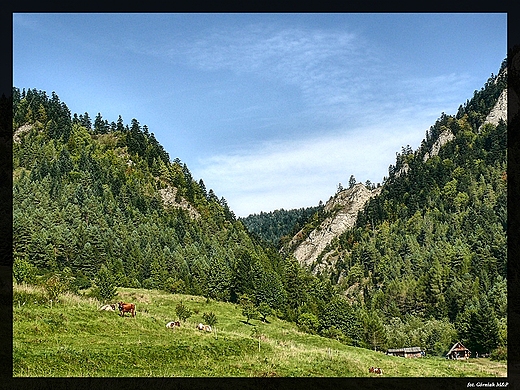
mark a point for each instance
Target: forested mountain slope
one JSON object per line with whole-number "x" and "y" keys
{"x": 277, "y": 225}
{"x": 432, "y": 244}
{"x": 87, "y": 195}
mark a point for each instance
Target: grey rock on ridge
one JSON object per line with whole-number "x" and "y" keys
{"x": 20, "y": 132}
{"x": 499, "y": 110}
{"x": 168, "y": 196}
{"x": 444, "y": 137}
{"x": 343, "y": 209}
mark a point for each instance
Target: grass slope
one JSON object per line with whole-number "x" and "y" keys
{"x": 74, "y": 339}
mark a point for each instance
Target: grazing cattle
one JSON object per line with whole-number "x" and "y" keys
{"x": 203, "y": 327}
{"x": 111, "y": 307}
{"x": 375, "y": 370}
{"x": 126, "y": 308}
{"x": 173, "y": 324}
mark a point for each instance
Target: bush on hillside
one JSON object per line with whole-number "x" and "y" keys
{"x": 209, "y": 318}
{"x": 183, "y": 312}
{"x": 23, "y": 270}
{"x": 308, "y": 323}
{"x": 249, "y": 310}
{"x": 54, "y": 286}
{"x": 499, "y": 354}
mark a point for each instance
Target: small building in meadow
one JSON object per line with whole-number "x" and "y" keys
{"x": 458, "y": 351}
{"x": 406, "y": 352}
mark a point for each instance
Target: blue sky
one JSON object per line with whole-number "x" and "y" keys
{"x": 270, "y": 110}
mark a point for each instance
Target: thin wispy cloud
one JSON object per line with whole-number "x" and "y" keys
{"x": 310, "y": 167}
{"x": 316, "y": 62}
{"x": 373, "y": 109}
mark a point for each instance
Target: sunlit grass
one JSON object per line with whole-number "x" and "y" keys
{"x": 73, "y": 338}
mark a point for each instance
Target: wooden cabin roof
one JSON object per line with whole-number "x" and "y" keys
{"x": 406, "y": 350}
{"x": 457, "y": 347}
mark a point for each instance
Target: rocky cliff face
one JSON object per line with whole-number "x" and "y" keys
{"x": 499, "y": 110}
{"x": 445, "y": 137}
{"x": 342, "y": 209}
{"x": 170, "y": 199}
{"x": 18, "y": 134}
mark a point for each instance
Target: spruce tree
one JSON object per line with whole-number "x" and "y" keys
{"x": 105, "y": 284}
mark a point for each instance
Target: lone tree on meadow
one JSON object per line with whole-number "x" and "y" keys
{"x": 248, "y": 308}
{"x": 105, "y": 285}
{"x": 210, "y": 318}
{"x": 183, "y": 312}
{"x": 264, "y": 310}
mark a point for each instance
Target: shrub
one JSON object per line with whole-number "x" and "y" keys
{"x": 264, "y": 310}
{"x": 308, "y": 322}
{"x": 248, "y": 308}
{"x": 499, "y": 353}
{"x": 209, "y": 318}
{"x": 105, "y": 288}
{"x": 23, "y": 270}
{"x": 176, "y": 286}
{"x": 54, "y": 287}
{"x": 183, "y": 312}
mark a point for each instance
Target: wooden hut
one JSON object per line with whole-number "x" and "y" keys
{"x": 458, "y": 351}
{"x": 406, "y": 352}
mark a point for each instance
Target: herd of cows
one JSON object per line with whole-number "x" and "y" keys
{"x": 130, "y": 308}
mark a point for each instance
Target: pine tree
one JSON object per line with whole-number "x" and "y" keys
{"x": 484, "y": 332}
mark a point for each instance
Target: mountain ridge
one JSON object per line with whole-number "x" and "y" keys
{"x": 316, "y": 243}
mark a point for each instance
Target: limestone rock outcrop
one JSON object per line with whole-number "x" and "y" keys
{"x": 169, "y": 195}
{"x": 444, "y": 137}
{"x": 499, "y": 110}
{"x": 342, "y": 209}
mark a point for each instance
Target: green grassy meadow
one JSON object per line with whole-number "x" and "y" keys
{"x": 73, "y": 338}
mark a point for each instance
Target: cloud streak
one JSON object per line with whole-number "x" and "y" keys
{"x": 322, "y": 64}
{"x": 300, "y": 173}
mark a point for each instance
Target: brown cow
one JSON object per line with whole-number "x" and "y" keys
{"x": 173, "y": 324}
{"x": 126, "y": 307}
